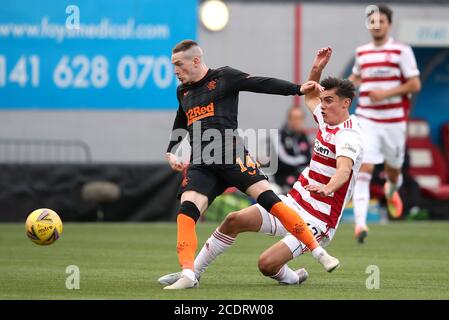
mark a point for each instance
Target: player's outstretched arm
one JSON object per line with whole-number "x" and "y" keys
{"x": 312, "y": 98}
{"x": 342, "y": 174}
{"x": 240, "y": 81}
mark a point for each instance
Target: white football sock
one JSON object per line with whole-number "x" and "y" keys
{"x": 361, "y": 198}
{"x": 318, "y": 252}
{"x": 286, "y": 275}
{"x": 214, "y": 246}
{"x": 188, "y": 273}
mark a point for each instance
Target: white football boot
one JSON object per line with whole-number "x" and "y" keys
{"x": 171, "y": 278}
{"x": 183, "y": 282}
{"x": 328, "y": 262}
{"x": 302, "y": 274}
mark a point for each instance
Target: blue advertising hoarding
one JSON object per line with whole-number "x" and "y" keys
{"x": 102, "y": 54}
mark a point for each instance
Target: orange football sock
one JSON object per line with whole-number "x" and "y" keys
{"x": 294, "y": 224}
{"x": 187, "y": 241}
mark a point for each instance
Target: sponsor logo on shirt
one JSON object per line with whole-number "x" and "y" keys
{"x": 200, "y": 112}
{"x": 319, "y": 148}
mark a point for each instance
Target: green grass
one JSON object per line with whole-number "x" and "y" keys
{"x": 123, "y": 261}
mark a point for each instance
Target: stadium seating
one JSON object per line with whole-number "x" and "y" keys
{"x": 427, "y": 164}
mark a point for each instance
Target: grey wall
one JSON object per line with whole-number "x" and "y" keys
{"x": 258, "y": 40}
{"x": 112, "y": 136}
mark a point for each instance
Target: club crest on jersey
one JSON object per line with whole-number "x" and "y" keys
{"x": 328, "y": 137}
{"x": 212, "y": 85}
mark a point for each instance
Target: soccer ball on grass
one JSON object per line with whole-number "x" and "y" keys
{"x": 43, "y": 226}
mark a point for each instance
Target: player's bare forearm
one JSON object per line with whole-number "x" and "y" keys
{"x": 341, "y": 175}
{"x": 315, "y": 74}
{"x": 312, "y": 98}
{"x": 311, "y": 102}
{"x": 311, "y": 90}
{"x": 412, "y": 85}
{"x": 319, "y": 63}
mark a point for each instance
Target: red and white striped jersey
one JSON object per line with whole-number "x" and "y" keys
{"x": 381, "y": 68}
{"x": 331, "y": 142}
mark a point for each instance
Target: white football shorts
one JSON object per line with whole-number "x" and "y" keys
{"x": 383, "y": 142}
{"x": 272, "y": 226}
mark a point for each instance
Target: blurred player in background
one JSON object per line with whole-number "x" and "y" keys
{"x": 208, "y": 104}
{"x": 386, "y": 73}
{"x": 320, "y": 193}
{"x": 293, "y": 150}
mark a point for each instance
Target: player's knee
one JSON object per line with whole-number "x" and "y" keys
{"x": 232, "y": 222}
{"x": 267, "y": 265}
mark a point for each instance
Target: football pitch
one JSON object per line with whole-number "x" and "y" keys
{"x": 124, "y": 260}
